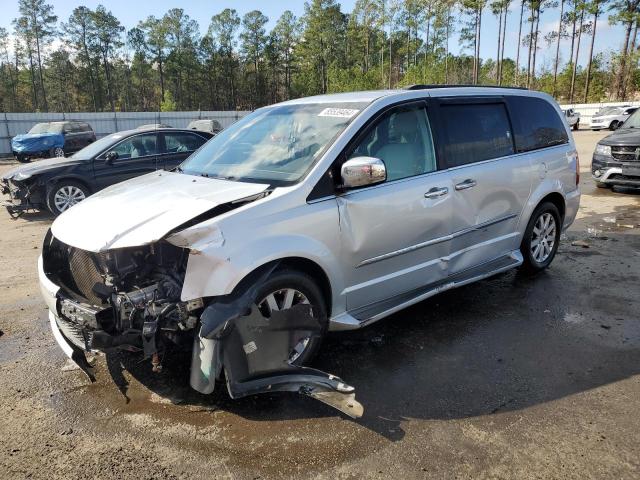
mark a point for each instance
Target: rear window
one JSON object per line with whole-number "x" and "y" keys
{"x": 476, "y": 132}
{"x": 536, "y": 124}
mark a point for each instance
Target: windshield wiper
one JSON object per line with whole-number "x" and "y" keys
{"x": 217, "y": 177}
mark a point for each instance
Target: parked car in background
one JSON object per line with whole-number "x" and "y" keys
{"x": 206, "y": 125}
{"x": 316, "y": 214}
{"x": 153, "y": 126}
{"x": 52, "y": 139}
{"x": 616, "y": 159}
{"x": 572, "y": 117}
{"x": 59, "y": 184}
{"x": 611, "y": 117}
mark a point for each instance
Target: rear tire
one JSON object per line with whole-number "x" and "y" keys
{"x": 576, "y": 126}
{"x": 65, "y": 194}
{"x": 541, "y": 238}
{"x": 614, "y": 125}
{"x": 276, "y": 287}
{"x": 23, "y": 158}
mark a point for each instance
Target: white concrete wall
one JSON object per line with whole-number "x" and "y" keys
{"x": 104, "y": 123}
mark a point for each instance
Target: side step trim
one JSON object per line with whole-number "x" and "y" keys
{"x": 372, "y": 313}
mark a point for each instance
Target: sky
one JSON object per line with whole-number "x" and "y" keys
{"x": 129, "y": 12}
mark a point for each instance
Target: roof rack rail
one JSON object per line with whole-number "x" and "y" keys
{"x": 425, "y": 87}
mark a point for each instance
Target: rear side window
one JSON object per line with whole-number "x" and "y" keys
{"x": 182, "y": 142}
{"x": 475, "y": 132}
{"x": 536, "y": 124}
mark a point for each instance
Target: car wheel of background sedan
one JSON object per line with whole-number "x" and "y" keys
{"x": 614, "y": 125}
{"x": 57, "y": 152}
{"x": 576, "y": 126}
{"x": 602, "y": 185}
{"x": 286, "y": 288}
{"x": 541, "y": 238}
{"x": 23, "y": 159}
{"x": 65, "y": 195}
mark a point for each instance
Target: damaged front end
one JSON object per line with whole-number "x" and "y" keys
{"x": 24, "y": 195}
{"x": 130, "y": 299}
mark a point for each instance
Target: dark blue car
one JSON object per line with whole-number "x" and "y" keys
{"x": 52, "y": 139}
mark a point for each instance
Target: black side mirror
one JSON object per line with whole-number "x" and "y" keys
{"x": 111, "y": 156}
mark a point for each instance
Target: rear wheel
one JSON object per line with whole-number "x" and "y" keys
{"x": 614, "y": 125}
{"x": 576, "y": 125}
{"x": 23, "y": 158}
{"x": 285, "y": 289}
{"x": 541, "y": 238}
{"x": 64, "y": 195}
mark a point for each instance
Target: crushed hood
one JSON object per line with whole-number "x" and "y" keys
{"x": 144, "y": 209}
{"x": 36, "y": 142}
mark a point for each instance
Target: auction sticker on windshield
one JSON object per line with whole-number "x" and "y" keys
{"x": 338, "y": 112}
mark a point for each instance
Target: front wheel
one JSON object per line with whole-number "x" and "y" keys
{"x": 541, "y": 238}
{"x": 602, "y": 185}
{"x": 284, "y": 289}
{"x": 57, "y": 152}
{"x": 576, "y": 125}
{"x": 65, "y": 195}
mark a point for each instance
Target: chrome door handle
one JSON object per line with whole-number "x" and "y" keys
{"x": 436, "y": 192}
{"x": 468, "y": 183}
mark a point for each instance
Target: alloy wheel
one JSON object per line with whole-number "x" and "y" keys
{"x": 58, "y": 152}
{"x": 283, "y": 300}
{"x": 67, "y": 196}
{"x": 543, "y": 237}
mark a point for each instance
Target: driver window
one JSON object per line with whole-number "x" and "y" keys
{"x": 137, "y": 146}
{"x": 402, "y": 140}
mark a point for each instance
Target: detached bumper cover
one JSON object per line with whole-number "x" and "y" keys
{"x": 254, "y": 353}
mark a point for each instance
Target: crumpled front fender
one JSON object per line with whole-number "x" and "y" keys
{"x": 254, "y": 353}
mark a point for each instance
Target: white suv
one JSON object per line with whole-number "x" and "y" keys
{"x": 611, "y": 117}
{"x": 323, "y": 213}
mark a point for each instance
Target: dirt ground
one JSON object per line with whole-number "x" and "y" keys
{"x": 507, "y": 378}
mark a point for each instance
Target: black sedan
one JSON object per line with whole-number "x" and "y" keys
{"x": 57, "y": 184}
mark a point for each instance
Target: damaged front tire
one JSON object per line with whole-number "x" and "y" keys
{"x": 285, "y": 289}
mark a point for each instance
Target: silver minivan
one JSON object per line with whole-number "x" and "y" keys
{"x": 322, "y": 213}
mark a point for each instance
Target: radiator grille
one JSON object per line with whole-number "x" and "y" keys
{"x": 85, "y": 274}
{"x": 626, "y": 153}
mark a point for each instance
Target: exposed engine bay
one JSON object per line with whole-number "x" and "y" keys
{"x": 129, "y": 299}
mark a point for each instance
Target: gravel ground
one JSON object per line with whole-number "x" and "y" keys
{"x": 507, "y": 378}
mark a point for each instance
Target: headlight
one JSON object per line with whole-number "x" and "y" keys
{"x": 20, "y": 176}
{"x": 604, "y": 150}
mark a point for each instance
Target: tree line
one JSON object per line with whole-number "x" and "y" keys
{"x": 91, "y": 62}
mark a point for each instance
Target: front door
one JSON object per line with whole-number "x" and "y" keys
{"x": 395, "y": 234}
{"x": 134, "y": 156}
{"x": 491, "y": 184}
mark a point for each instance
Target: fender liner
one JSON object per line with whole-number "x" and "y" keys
{"x": 254, "y": 352}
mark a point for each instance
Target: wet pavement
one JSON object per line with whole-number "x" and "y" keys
{"x": 512, "y": 377}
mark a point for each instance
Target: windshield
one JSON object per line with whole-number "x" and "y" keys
{"x": 633, "y": 121}
{"x": 46, "y": 128}
{"x": 274, "y": 144}
{"x": 96, "y": 147}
